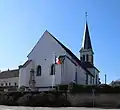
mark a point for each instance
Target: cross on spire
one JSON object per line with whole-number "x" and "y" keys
{"x": 86, "y": 15}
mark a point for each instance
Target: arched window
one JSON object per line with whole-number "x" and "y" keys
{"x": 87, "y": 59}
{"x": 38, "y": 71}
{"x": 52, "y": 69}
{"x": 90, "y": 79}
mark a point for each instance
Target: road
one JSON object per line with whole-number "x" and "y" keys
{"x": 45, "y": 108}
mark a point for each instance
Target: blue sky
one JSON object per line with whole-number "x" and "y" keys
{"x": 22, "y": 22}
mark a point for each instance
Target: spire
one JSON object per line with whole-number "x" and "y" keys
{"x": 86, "y": 43}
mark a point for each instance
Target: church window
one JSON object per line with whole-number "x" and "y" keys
{"x": 38, "y": 71}
{"x": 90, "y": 79}
{"x": 52, "y": 69}
{"x": 87, "y": 58}
{"x": 96, "y": 78}
{"x": 86, "y": 78}
{"x": 6, "y": 84}
{"x": 83, "y": 57}
{"x": 9, "y": 84}
{"x": 76, "y": 76}
{"x": 93, "y": 80}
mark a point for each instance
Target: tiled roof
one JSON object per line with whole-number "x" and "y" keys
{"x": 9, "y": 74}
{"x": 72, "y": 55}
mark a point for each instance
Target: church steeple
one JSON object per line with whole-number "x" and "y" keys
{"x": 86, "y": 51}
{"x": 86, "y": 43}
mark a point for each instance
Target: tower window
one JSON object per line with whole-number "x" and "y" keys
{"x": 87, "y": 59}
{"x": 6, "y": 84}
{"x": 1, "y": 84}
{"x": 52, "y": 69}
{"x": 83, "y": 57}
{"x": 9, "y": 84}
{"x": 38, "y": 71}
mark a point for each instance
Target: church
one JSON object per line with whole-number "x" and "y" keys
{"x": 51, "y": 63}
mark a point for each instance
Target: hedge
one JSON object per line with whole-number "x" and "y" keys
{"x": 75, "y": 88}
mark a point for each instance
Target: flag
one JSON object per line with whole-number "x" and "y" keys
{"x": 58, "y": 61}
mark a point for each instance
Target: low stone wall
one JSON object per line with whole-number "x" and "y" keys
{"x": 102, "y": 100}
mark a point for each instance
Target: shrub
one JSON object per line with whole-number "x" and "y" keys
{"x": 11, "y": 102}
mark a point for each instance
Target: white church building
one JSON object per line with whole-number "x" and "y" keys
{"x": 50, "y": 63}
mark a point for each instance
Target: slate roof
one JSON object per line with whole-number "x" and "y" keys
{"x": 89, "y": 65}
{"x": 86, "y": 44}
{"x": 72, "y": 55}
{"x": 26, "y": 63}
{"x": 9, "y": 74}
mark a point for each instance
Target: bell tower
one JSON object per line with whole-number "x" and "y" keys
{"x": 86, "y": 51}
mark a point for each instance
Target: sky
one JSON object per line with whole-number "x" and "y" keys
{"x": 22, "y": 23}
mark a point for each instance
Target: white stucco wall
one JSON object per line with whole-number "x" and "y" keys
{"x": 81, "y": 75}
{"x": 43, "y": 54}
{"x": 24, "y": 75}
{"x": 68, "y": 74}
{"x": 11, "y": 80}
{"x": 57, "y": 74}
